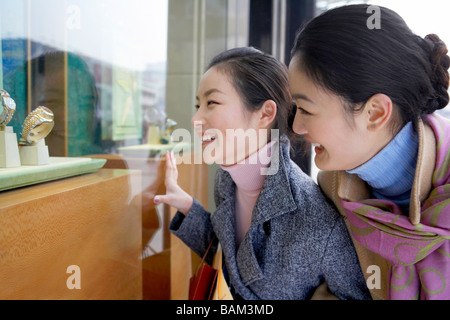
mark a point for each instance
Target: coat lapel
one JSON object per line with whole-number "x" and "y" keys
{"x": 276, "y": 195}
{"x": 272, "y": 201}
{"x": 223, "y": 219}
{"x": 247, "y": 263}
{"x": 424, "y": 171}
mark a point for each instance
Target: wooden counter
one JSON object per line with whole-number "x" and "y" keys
{"x": 92, "y": 221}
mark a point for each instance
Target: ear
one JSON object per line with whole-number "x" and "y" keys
{"x": 379, "y": 111}
{"x": 267, "y": 113}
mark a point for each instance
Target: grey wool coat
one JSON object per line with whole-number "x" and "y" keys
{"x": 296, "y": 239}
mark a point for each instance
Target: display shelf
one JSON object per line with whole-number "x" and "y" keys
{"x": 59, "y": 167}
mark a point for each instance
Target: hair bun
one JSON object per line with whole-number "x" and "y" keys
{"x": 440, "y": 63}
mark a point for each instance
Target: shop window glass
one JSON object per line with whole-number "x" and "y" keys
{"x": 99, "y": 65}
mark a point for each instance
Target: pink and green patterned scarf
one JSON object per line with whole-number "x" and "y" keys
{"x": 419, "y": 254}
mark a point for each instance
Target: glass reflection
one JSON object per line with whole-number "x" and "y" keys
{"x": 99, "y": 65}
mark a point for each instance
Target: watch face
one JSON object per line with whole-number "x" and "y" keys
{"x": 46, "y": 111}
{"x": 8, "y": 107}
{"x": 9, "y": 102}
{"x": 38, "y": 124}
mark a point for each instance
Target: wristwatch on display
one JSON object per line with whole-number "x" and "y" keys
{"x": 38, "y": 124}
{"x": 8, "y": 108}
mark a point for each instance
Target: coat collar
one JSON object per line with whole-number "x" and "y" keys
{"x": 340, "y": 185}
{"x": 272, "y": 201}
{"x": 273, "y": 190}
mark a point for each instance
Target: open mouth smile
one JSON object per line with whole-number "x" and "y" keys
{"x": 318, "y": 148}
{"x": 207, "y": 138}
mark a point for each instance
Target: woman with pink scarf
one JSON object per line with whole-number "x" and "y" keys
{"x": 367, "y": 93}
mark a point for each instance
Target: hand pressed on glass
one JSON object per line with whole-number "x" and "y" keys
{"x": 175, "y": 196}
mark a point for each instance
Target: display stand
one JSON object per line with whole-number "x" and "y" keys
{"x": 34, "y": 155}
{"x": 9, "y": 150}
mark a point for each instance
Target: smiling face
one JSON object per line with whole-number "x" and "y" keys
{"x": 221, "y": 119}
{"x": 340, "y": 143}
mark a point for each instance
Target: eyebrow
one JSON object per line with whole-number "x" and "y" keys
{"x": 301, "y": 96}
{"x": 210, "y": 92}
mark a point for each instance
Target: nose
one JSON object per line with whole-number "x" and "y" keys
{"x": 298, "y": 126}
{"x": 198, "y": 119}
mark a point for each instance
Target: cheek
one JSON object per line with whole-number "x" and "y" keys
{"x": 238, "y": 144}
{"x": 346, "y": 151}
{"x": 231, "y": 147}
{"x": 213, "y": 152}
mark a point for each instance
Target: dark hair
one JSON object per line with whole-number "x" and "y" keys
{"x": 258, "y": 77}
{"x": 340, "y": 52}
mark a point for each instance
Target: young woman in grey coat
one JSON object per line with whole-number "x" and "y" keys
{"x": 279, "y": 236}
